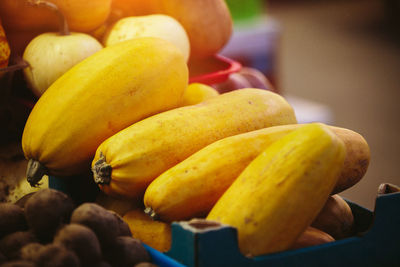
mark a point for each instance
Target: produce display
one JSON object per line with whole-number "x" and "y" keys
{"x": 113, "y": 99}
{"x": 121, "y": 164}
{"x": 203, "y": 177}
{"x": 97, "y": 98}
{"x": 301, "y": 167}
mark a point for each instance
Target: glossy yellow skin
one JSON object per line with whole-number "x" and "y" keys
{"x": 100, "y": 96}
{"x": 281, "y": 191}
{"x": 141, "y": 152}
{"x": 196, "y": 93}
{"x": 191, "y": 188}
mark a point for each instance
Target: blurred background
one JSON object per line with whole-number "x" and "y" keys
{"x": 337, "y": 62}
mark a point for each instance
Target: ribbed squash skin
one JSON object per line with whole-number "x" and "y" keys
{"x": 141, "y": 152}
{"x": 100, "y": 96}
{"x": 192, "y": 187}
{"x": 281, "y": 191}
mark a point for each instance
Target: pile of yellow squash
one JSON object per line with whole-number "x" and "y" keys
{"x": 239, "y": 158}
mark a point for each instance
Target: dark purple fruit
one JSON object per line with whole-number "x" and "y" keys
{"x": 46, "y": 211}
{"x": 56, "y": 255}
{"x": 11, "y": 244}
{"x": 12, "y": 219}
{"x": 104, "y": 223}
{"x": 82, "y": 240}
{"x": 126, "y": 251}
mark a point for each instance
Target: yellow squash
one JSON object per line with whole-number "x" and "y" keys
{"x": 191, "y": 188}
{"x": 280, "y": 192}
{"x": 127, "y": 162}
{"x": 358, "y": 157}
{"x": 196, "y": 93}
{"x": 156, "y": 234}
{"x": 118, "y": 205}
{"x": 103, "y": 94}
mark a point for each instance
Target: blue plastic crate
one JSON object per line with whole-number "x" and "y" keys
{"x": 376, "y": 243}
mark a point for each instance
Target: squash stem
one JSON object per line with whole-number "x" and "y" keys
{"x": 64, "y": 29}
{"x": 102, "y": 171}
{"x": 35, "y": 172}
{"x": 149, "y": 211}
{"x": 18, "y": 66}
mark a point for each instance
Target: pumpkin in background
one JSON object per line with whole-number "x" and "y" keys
{"x": 82, "y": 16}
{"x": 126, "y": 8}
{"x": 208, "y": 23}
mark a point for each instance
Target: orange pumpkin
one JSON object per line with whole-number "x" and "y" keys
{"x": 126, "y": 8}
{"x": 208, "y": 23}
{"x": 82, "y": 16}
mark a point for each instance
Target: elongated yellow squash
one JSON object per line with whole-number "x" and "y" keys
{"x": 98, "y": 97}
{"x": 358, "y": 157}
{"x": 281, "y": 191}
{"x": 192, "y": 187}
{"x": 127, "y": 162}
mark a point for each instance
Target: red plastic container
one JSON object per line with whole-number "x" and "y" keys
{"x": 212, "y": 70}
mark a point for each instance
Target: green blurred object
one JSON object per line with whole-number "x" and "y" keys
{"x": 243, "y": 10}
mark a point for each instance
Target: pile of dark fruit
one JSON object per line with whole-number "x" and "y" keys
{"x": 47, "y": 229}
